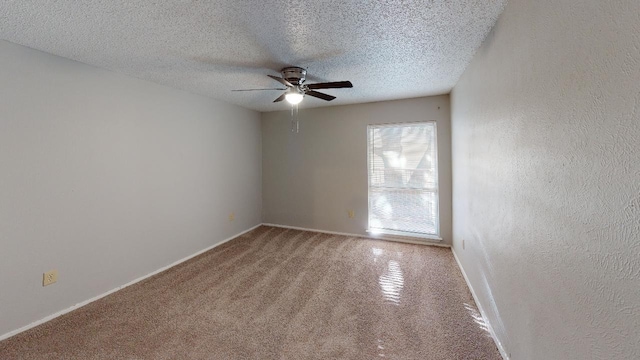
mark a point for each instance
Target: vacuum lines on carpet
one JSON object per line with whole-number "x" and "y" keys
{"x": 276, "y": 293}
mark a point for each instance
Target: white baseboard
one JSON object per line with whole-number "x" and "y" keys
{"x": 501, "y": 348}
{"x": 387, "y": 238}
{"x": 81, "y": 304}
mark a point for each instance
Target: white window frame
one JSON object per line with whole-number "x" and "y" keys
{"x": 394, "y": 234}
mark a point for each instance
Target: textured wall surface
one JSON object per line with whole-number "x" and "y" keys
{"x": 546, "y": 168}
{"x": 108, "y": 178}
{"x": 389, "y": 49}
{"x": 312, "y": 178}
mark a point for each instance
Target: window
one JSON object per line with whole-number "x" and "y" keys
{"x": 403, "y": 179}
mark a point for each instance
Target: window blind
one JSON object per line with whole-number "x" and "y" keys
{"x": 403, "y": 179}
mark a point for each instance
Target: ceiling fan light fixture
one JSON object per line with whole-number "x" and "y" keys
{"x": 294, "y": 97}
{"x": 296, "y": 88}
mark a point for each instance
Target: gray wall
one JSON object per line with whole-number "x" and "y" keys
{"x": 108, "y": 178}
{"x": 546, "y": 166}
{"x": 313, "y": 178}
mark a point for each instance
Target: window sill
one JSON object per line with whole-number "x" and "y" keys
{"x": 403, "y": 236}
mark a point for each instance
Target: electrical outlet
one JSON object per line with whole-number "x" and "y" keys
{"x": 351, "y": 214}
{"x": 232, "y": 216}
{"x": 49, "y": 277}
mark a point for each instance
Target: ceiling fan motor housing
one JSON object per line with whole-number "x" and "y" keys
{"x": 294, "y": 75}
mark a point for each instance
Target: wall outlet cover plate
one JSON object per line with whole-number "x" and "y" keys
{"x": 49, "y": 277}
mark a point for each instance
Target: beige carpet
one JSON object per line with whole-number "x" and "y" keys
{"x": 279, "y": 294}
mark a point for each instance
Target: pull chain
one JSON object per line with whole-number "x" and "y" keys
{"x": 295, "y": 123}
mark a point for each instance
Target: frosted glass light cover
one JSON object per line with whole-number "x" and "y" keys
{"x": 294, "y": 98}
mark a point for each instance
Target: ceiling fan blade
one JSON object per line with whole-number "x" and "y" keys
{"x": 331, "y": 85}
{"x": 320, "y": 95}
{"x": 280, "y": 98}
{"x": 257, "y": 89}
{"x": 281, "y": 80}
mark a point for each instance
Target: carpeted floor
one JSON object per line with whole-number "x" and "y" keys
{"x": 279, "y": 294}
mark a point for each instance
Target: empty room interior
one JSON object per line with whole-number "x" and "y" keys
{"x": 320, "y": 179}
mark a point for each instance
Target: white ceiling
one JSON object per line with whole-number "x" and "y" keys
{"x": 388, "y": 49}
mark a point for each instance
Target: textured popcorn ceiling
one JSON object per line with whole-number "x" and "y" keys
{"x": 389, "y": 50}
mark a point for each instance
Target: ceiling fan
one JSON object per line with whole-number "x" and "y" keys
{"x": 293, "y": 78}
